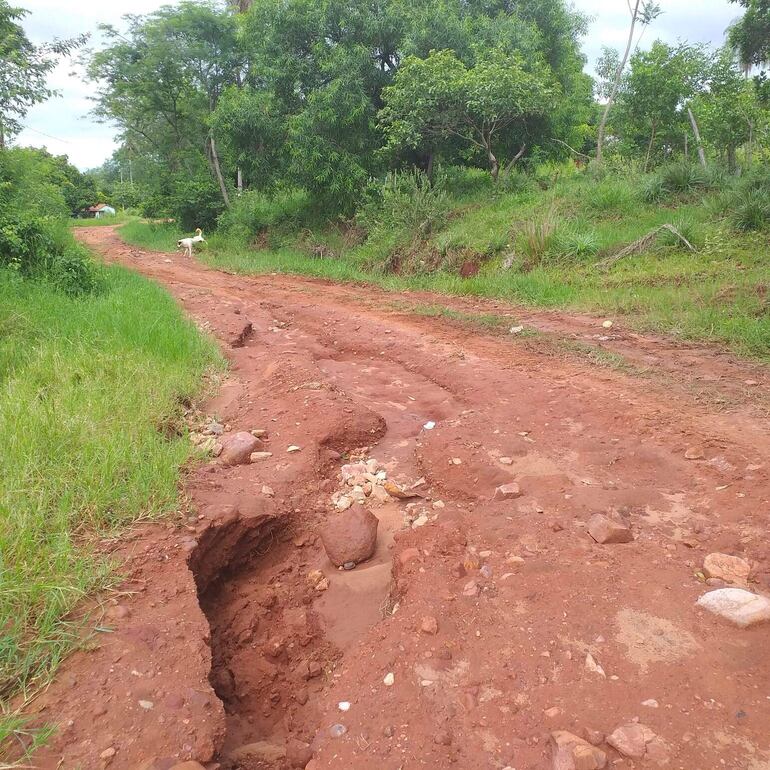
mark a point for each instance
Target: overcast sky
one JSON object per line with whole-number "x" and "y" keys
{"x": 65, "y": 128}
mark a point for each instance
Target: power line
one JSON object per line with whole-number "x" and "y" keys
{"x": 48, "y": 136}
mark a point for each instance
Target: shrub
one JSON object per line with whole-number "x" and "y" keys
{"x": 688, "y": 228}
{"x": 571, "y": 242}
{"x": 610, "y": 195}
{"x": 196, "y": 203}
{"x": 254, "y": 212}
{"x": 42, "y": 248}
{"x": 680, "y": 178}
{"x": 515, "y": 182}
{"x": 536, "y": 237}
{"x": 750, "y": 210}
{"x": 407, "y": 201}
{"x": 464, "y": 182}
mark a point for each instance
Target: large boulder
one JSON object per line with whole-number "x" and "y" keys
{"x": 237, "y": 449}
{"x": 350, "y": 536}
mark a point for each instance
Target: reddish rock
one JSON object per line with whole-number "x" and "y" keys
{"x": 731, "y": 569}
{"x": 594, "y": 737}
{"x": 351, "y": 536}
{"x": 507, "y": 492}
{"x": 569, "y": 752}
{"x": 605, "y": 529}
{"x": 631, "y": 740}
{"x": 237, "y": 449}
{"x": 429, "y": 625}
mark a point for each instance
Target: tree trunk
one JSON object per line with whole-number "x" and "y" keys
{"x": 696, "y": 132}
{"x": 731, "y": 164}
{"x": 686, "y": 148}
{"x": 218, "y": 170}
{"x": 615, "y": 85}
{"x": 515, "y": 158}
{"x": 494, "y": 166}
{"x": 429, "y": 165}
{"x": 239, "y": 182}
{"x": 649, "y": 148}
{"x": 2, "y": 136}
{"x": 750, "y": 146}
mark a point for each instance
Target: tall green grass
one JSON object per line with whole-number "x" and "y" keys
{"x": 86, "y": 386}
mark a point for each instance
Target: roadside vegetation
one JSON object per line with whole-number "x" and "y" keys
{"x": 96, "y": 366}
{"x": 550, "y": 248}
{"x": 456, "y": 147}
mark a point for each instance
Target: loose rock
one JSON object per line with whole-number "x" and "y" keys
{"x": 238, "y": 448}
{"x": 507, "y": 492}
{"x": 632, "y": 740}
{"x": 570, "y": 752}
{"x": 606, "y": 530}
{"x": 429, "y": 625}
{"x": 737, "y": 605}
{"x": 731, "y": 569}
{"x": 350, "y": 536}
{"x": 695, "y": 453}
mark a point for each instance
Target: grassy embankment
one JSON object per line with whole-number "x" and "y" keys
{"x": 85, "y": 386}
{"x": 552, "y": 239}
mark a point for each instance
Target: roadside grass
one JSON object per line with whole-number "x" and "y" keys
{"x": 86, "y": 387}
{"x": 719, "y": 294}
{"x": 118, "y": 219}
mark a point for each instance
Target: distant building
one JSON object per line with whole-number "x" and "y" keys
{"x": 98, "y": 211}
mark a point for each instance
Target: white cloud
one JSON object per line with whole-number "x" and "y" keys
{"x": 89, "y": 143}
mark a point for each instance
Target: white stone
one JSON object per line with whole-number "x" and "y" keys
{"x": 389, "y": 679}
{"x": 737, "y": 605}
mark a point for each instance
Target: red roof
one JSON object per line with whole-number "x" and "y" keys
{"x": 97, "y": 207}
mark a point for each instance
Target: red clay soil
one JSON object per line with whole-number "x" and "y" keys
{"x": 497, "y": 621}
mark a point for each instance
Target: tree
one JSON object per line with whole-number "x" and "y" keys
{"x": 750, "y": 35}
{"x": 730, "y": 111}
{"x": 642, "y": 12}
{"x": 24, "y": 69}
{"x": 439, "y": 97}
{"x": 161, "y": 82}
{"x": 654, "y": 94}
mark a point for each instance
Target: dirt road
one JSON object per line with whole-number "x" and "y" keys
{"x": 501, "y": 621}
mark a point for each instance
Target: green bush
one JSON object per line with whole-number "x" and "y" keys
{"x": 254, "y": 212}
{"x": 35, "y": 242}
{"x": 688, "y": 228}
{"x": 408, "y": 201}
{"x": 610, "y": 195}
{"x": 750, "y": 210}
{"x": 465, "y": 182}
{"x": 680, "y": 178}
{"x": 572, "y": 242}
{"x": 42, "y": 248}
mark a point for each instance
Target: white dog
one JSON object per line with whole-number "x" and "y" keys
{"x": 188, "y": 242}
